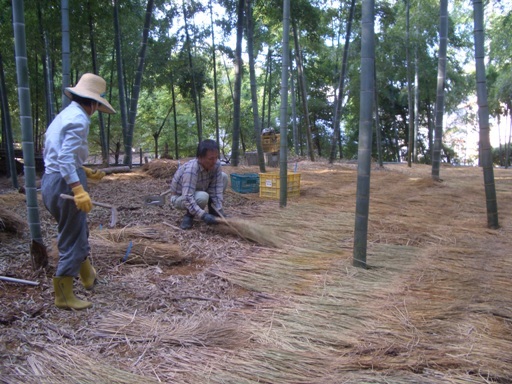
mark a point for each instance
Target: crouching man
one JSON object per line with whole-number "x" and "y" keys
{"x": 198, "y": 183}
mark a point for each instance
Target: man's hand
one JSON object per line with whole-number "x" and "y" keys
{"x": 219, "y": 213}
{"x": 94, "y": 174}
{"x": 82, "y": 199}
{"x": 209, "y": 219}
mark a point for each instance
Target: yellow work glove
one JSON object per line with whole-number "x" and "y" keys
{"x": 82, "y": 199}
{"x": 94, "y": 174}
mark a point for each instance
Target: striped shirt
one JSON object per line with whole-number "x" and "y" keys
{"x": 192, "y": 177}
{"x": 65, "y": 145}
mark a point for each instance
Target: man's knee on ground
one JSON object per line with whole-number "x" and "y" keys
{"x": 202, "y": 199}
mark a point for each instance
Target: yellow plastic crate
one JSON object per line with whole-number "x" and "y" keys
{"x": 270, "y": 185}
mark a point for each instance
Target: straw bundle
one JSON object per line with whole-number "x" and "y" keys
{"x": 257, "y": 233}
{"x": 127, "y": 233}
{"x": 161, "y": 169}
{"x": 202, "y": 330}
{"x": 11, "y": 222}
{"x": 67, "y": 364}
{"x": 12, "y": 199}
{"x": 140, "y": 252}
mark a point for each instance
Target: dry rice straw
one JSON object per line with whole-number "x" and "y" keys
{"x": 140, "y": 252}
{"x": 68, "y": 364}
{"x": 200, "y": 330}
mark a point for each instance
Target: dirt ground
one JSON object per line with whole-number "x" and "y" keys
{"x": 434, "y": 306}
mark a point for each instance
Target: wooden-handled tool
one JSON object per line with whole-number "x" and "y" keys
{"x": 156, "y": 199}
{"x": 113, "y": 218}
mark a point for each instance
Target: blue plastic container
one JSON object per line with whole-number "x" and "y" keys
{"x": 245, "y": 182}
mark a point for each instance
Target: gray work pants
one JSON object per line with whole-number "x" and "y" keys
{"x": 73, "y": 233}
{"x": 201, "y": 197}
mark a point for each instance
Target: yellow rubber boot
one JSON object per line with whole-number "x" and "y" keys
{"x": 64, "y": 296}
{"x": 87, "y": 274}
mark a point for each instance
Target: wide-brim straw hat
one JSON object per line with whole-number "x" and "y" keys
{"x": 93, "y": 87}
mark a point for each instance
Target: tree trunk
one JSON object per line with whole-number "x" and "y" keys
{"x": 50, "y": 111}
{"x": 378, "y": 135}
{"x": 136, "y": 87}
{"x": 294, "y": 111}
{"x": 301, "y": 120}
{"x": 410, "y": 123}
{"x": 483, "y": 116}
{"x": 94, "y": 59}
{"x": 416, "y": 105}
{"x": 117, "y": 153}
{"x": 302, "y": 87}
{"x": 441, "y": 74}
{"x": 283, "y": 161}
{"x": 397, "y": 145}
{"x": 36, "y": 102}
{"x": 430, "y": 133}
{"x": 7, "y": 129}
{"x": 254, "y": 90}
{"x": 37, "y": 250}
{"x": 507, "y": 156}
{"x": 339, "y": 99}
{"x": 266, "y": 85}
{"x": 120, "y": 78}
{"x": 195, "y": 95}
{"x": 109, "y": 116}
{"x": 235, "y": 151}
{"x": 364, "y": 152}
{"x": 215, "y": 87}
{"x": 501, "y": 148}
{"x": 66, "y": 61}
{"x": 200, "y": 111}
{"x": 269, "y": 96}
{"x": 229, "y": 81}
{"x": 175, "y": 118}
{"x": 317, "y": 135}
{"x": 156, "y": 134}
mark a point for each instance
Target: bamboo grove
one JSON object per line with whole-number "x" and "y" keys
{"x": 177, "y": 70}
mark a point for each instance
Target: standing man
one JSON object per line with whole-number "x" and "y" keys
{"x": 65, "y": 151}
{"x": 199, "y": 182}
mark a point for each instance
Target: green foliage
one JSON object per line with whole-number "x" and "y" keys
{"x": 499, "y": 74}
{"x": 499, "y": 155}
{"x": 321, "y": 28}
{"x": 191, "y": 80}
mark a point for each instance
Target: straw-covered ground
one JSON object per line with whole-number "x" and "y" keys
{"x": 211, "y": 306}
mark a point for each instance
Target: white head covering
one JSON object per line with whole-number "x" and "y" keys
{"x": 93, "y": 87}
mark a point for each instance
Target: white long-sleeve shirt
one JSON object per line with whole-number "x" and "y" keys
{"x": 65, "y": 146}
